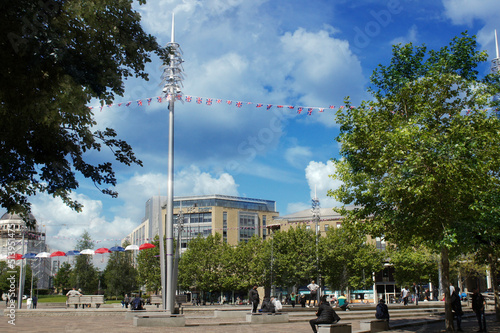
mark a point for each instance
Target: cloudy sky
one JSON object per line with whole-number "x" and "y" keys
{"x": 309, "y": 54}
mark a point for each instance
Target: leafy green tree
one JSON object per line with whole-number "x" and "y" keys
{"x": 6, "y": 278}
{"x": 247, "y": 264}
{"x": 120, "y": 274}
{"x": 294, "y": 256}
{"x": 56, "y": 57}
{"x": 348, "y": 260}
{"x": 85, "y": 275}
{"x": 202, "y": 266}
{"x": 62, "y": 279}
{"x": 413, "y": 264}
{"x": 417, "y": 159}
{"x": 148, "y": 267}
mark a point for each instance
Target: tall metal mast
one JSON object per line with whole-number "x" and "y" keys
{"x": 172, "y": 77}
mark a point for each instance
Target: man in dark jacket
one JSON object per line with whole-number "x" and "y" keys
{"x": 253, "y": 297}
{"x": 478, "y": 304}
{"x": 326, "y": 315}
{"x": 382, "y": 311}
{"x": 456, "y": 306}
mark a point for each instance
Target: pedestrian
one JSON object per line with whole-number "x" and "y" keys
{"x": 416, "y": 290}
{"x": 313, "y": 295}
{"x": 302, "y": 300}
{"x": 326, "y": 315}
{"x": 404, "y": 295}
{"x": 292, "y": 299}
{"x": 277, "y": 304}
{"x": 382, "y": 311}
{"x": 478, "y": 304}
{"x": 35, "y": 301}
{"x": 253, "y": 297}
{"x": 456, "y": 306}
{"x": 29, "y": 301}
{"x": 126, "y": 301}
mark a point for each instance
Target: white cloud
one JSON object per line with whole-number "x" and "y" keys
{"x": 317, "y": 175}
{"x": 297, "y": 155}
{"x": 466, "y": 11}
{"x": 192, "y": 181}
{"x": 65, "y": 226}
{"x": 411, "y": 37}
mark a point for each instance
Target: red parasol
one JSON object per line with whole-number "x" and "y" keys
{"x": 146, "y": 246}
{"x": 58, "y": 254}
{"x": 102, "y": 250}
{"x": 16, "y": 256}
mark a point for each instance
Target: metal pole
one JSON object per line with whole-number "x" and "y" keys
{"x": 170, "y": 210}
{"x": 21, "y": 275}
{"x": 172, "y": 76}
{"x": 162, "y": 260}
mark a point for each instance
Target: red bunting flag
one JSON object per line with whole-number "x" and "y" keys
{"x": 239, "y": 104}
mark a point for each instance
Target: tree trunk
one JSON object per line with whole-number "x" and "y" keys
{"x": 493, "y": 271}
{"x": 445, "y": 263}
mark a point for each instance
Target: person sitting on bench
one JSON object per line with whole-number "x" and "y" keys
{"x": 326, "y": 315}
{"x": 382, "y": 311}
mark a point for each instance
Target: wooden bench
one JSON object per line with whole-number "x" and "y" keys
{"x": 267, "y": 318}
{"x": 157, "y": 300}
{"x": 93, "y": 300}
{"x": 334, "y": 328}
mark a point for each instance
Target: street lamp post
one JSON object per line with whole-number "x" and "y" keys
{"x": 316, "y": 216}
{"x": 172, "y": 78}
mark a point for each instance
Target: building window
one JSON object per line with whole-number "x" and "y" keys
{"x": 308, "y": 227}
{"x": 380, "y": 243}
{"x": 247, "y": 225}
{"x": 224, "y": 227}
{"x": 326, "y": 227}
{"x": 339, "y": 224}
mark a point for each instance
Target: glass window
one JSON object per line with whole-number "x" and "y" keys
{"x": 326, "y": 227}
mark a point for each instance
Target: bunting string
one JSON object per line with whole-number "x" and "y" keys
{"x": 239, "y": 104}
{"x": 218, "y": 101}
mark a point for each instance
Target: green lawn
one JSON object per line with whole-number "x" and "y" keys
{"x": 51, "y": 299}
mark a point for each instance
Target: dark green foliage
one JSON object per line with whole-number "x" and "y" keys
{"x": 56, "y": 56}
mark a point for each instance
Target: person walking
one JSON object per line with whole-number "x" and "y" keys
{"x": 478, "y": 304}
{"x": 326, "y": 315}
{"x": 456, "y": 306}
{"x": 253, "y": 297}
{"x": 416, "y": 291}
{"x": 292, "y": 299}
{"x": 313, "y": 295}
{"x": 404, "y": 295}
{"x": 35, "y": 301}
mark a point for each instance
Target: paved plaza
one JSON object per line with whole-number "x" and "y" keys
{"x": 113, "y": 320}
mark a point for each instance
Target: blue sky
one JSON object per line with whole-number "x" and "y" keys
{"x": 301, "y": 53}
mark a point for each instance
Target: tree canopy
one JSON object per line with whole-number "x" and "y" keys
{"x": 418, "y": 159}
{"x": 56, "y": 57}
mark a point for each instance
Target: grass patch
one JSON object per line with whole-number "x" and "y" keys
{"x": 51, "y": 299}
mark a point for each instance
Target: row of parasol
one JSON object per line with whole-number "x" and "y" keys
{"x": 101, "y": 250}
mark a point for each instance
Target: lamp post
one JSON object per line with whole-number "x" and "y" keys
{"x": 172, "y": 78}
{"x": 316, "y": 216}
